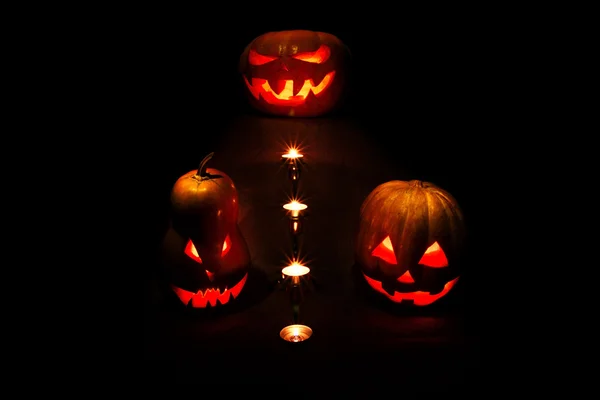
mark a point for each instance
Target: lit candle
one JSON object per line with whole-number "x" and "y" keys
{"x": 296, "y": 333}
{"x": 293, "y": 167}
{"x": 294, "y": 207}
{"x": 295, "y": 270}
{"x": 292, "y": 154}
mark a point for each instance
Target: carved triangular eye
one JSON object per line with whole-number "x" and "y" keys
{"x": 226, "y": 246}
{"x": 385, "y": 251}
{"x": 191, "y": 252}
{"x": 434, "y": 257}
{"x": 255, "y": 58}
{"x": 320, "y": 56}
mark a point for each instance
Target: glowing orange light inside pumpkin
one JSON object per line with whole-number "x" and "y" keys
{"x": 190, "y": 250}
{"x": 433, "y": 257}
{"x": 419, "y": 297}
{"x": 385, "y": 251}
{"x": 295, "y": 269}
{"x": 406, "y": 278}
{"x": 260, "y": 87}
{"x": 295, "y": 207}
{"x": 318, "y": 57}
{"x": 201, "y": 299}
{"x": 255, "y": 58}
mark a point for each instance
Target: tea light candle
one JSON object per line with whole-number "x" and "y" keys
{"x": 295, "y": 270}
{"x": 295, "y": 207}
{"x": 293, "y": 167}
{"x": 292, "y": 154}
{"x": 296, "y": 333}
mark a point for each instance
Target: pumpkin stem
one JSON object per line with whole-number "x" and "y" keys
{"x": 202, "y": 168}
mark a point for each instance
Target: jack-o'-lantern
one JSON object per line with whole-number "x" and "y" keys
{"x": 204, "y": 252}
{"x": 410, "y": 241}
{"x": 295, "y": 73}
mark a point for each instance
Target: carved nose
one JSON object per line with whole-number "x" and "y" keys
{"x": 284, "y": 67}
{"x": 406, "y": 278}
{"x": 211, "y": 275}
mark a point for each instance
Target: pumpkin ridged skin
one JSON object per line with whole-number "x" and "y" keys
{"x": 285, "y": 67}
{"x": 414, "y": 214}
{"x": 204, "y": 208}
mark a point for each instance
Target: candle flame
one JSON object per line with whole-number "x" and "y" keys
{"x": 295, "y": 205}
{"x": 292, "y": 153}
{"x": 295, "y": 269}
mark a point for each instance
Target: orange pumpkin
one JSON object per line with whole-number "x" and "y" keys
{"x": 204, "y": 252}
{"x": 410, "y": 240}
{"x": 296, "y": 73}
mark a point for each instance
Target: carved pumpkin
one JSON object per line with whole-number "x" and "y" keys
{"x": 409, "y": 241}
{"x": 205, "y": 254}
{"x": 295, "y": 73}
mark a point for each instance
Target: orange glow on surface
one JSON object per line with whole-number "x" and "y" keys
{"x": 211, "y": 296}
{"x": 287, "y": 95}
{"x": 433, "y": 257}
{"x": 419, "y": 298}
{"x": 191, "y": 252}
{"x": 295, "y": 226}
{"x": 295, "y": 269}
{"x": 318, "y": 57}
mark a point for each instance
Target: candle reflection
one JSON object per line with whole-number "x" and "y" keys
{"x": 295, "y": 209}
{"x": 292, "y": 157}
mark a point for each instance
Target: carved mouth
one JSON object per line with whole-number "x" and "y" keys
{"x": 419, "y": 298}
{"x": 287, "y": 92}
{"x": 211, "y": 296}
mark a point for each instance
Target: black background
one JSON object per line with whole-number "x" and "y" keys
{"x": 420, "y": 84}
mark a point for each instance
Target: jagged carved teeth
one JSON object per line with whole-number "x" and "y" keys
{"x": 297, "y": 86}
{"x": 290, "y": 87}
{"x": 286, "y": 87}
{"x": 318, "y": 76}
{"x": 276, "y": 85}
{"x": 211, "y": 291}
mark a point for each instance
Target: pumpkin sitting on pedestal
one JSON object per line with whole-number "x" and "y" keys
{"x": 204, "y": 253}
{"x": 295, "y": 73}
{"x": 410, "y": 241}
